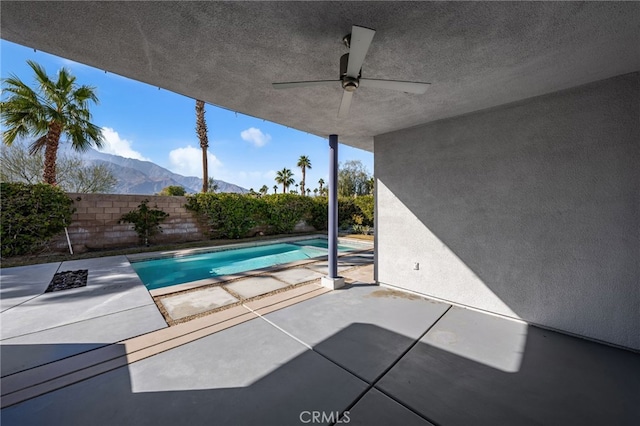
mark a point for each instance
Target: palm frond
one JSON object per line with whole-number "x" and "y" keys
{"x": 304, "y": 161}
{"x": 65, "y": 80}
{"x": 37, "y": 146}
{"x": 13, "y": 83}
{"x": 84, "y": 94}
{"x": 42, "y": 78}
{"x": 10, "y": 135}
{"x": 83, "y": 135}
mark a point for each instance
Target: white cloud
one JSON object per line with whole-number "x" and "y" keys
{"x": 255, "y": 136}
{"x": 113, "y": 144}
{"x": 187, "y": 161}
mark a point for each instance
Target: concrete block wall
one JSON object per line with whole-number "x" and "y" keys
{"x": 530, "y": 210}
{"x": 95, "y": 223}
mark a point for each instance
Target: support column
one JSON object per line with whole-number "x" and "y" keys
{"x": 332, "y": 280}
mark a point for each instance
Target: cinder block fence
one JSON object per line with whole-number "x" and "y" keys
{"x": 95, "y": 224}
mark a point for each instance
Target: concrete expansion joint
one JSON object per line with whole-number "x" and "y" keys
{"x": 279, "y": 328}
{"x": 372, "y": 384}
{"x": 20, "y": 304}
{"x": 306, "y": 344}
{"x": 393, "y": 364}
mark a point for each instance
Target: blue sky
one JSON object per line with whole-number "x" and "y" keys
{"x": 143, "y": 122}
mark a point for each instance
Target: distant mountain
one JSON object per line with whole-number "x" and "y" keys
{"x": 145, "y": 177}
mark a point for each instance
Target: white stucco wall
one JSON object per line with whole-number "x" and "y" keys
{"x": 530, "y": 210}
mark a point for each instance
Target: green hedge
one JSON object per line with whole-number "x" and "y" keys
{"x": 30, "y": 215}
{"x": 234, "y": 215}
{"x": 228, "y": 215}
{"x": 318, "y": 217}
{"x": 366, "y": 204}
{"x": 281, "y": 212}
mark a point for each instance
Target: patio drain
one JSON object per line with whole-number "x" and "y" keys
{"x": 67, "y": 280}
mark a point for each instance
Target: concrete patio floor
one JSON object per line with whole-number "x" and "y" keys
{"x": 370, "y": 354}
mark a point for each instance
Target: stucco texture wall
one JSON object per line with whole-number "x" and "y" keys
{"x": 530, "y": 210}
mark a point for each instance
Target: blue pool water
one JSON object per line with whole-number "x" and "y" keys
{"x": 159, "y": 273}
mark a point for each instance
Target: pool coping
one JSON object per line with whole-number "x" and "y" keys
{"x": 163, "y": 291}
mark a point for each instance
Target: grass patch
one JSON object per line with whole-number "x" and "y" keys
{"x": 358, "y": 236}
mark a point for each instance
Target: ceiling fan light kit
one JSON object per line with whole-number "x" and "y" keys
{"x": 350, "y": 77}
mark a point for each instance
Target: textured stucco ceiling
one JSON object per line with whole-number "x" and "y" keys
{"x": 476, "y": 55}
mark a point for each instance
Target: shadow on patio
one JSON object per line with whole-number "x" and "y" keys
{"x": 469, "y": 368}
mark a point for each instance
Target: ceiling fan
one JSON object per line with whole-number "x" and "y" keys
{"x": 358, "y": 43}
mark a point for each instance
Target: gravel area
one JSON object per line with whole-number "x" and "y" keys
{"x": 67, "y": 280}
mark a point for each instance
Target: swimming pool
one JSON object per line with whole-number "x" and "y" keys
{"x": 165, "y": 272}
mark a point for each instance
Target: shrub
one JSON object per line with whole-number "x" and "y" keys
{"x": 30, "y": 215}
{"x": 358, "y": 226}
{"x": 146, "y": 221}
{"x": 173, "y": 190}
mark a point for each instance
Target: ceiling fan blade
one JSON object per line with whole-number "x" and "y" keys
{"x": 359, "y": 46}
{"x": 294, "y": 84}
{"x": 402, "y": 86}
{"x": 345, "y": 104}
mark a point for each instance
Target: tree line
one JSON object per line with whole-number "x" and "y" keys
{"x": 72, "y": 173}
{"x": 285, "y": 178}
{"x": 353, "y": 180}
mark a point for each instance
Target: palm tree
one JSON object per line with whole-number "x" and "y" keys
{"x": 315, "y": 192}
{"x": 284, "y": 177}
{"x": 321, "y": 182}
{"x": 53, "y": 109}
{"x": 264, "y": 189}
{"x": 308, "y": 192}
{"x": 275, "y": 189}
{"x": 304, "y": 163}
{"x": 201, "y": 130}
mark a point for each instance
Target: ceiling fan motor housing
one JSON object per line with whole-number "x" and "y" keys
{"x": 349, "y": 84}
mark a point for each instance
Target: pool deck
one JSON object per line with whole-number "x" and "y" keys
{"x": 104, "y": 355}
{"x": 184, "y": 302}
